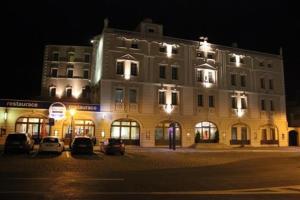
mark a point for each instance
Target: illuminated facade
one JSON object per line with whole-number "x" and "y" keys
{"x": 146, "y": 82}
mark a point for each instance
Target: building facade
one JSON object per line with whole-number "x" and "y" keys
{"x": 150, "y": 87}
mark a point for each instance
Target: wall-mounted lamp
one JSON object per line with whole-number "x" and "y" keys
{"x": 5, "y": 114}
{"x": 102, "y": 134}
{"x": 168, "y": 108}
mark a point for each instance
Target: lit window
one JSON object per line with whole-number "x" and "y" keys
{"x": 69, "y": 92}
{"x": 127, "y": 130}
{"x": 133, "y": 70}
{"x": 162, "y": 71}
{"x": 119, "y": 95}
{"x": 174, "y": 73}
{"x": 161, "y": 97}
{"x": 200, "y": 100}
{"x": 174, "y": 98}
{"x": 54, "y": 72}
{"x": 210, "y": 77}
{"x": 120, "y": 68}
{"x": 132, "y": 95}
{"x": 211, "y": 102}
{"x": 199, "y": 76}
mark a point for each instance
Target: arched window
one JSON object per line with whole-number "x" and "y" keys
{"x": 127, "y": 130}
{"x": 208, "y": 132}
{"x": 81, "y": 127}
{"x": 162, "y": 131}
{"x": 36, "y": 126}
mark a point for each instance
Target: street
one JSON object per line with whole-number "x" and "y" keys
{"x": 153, "y": 174}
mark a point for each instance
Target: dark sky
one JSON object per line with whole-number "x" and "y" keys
{"x": 30, "y": 25}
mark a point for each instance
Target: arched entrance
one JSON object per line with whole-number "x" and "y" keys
{"x": 206, "y": 132}
{"x": 162, "y": 131}
{"x": 126, "y": 129}
{"x": 293, "y": 138}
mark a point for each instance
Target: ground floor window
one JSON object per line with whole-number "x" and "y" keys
{"x": 240, "y": 134}
{"x": 206, "y": 132}
{"x": 127, "y": 130}
{"x": 81, "y": 127}
{"x": 36, "y": 126}
{"x": 268, "y": 135}
{"x": 164, "y": 130}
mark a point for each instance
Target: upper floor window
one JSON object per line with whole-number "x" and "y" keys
{"x": 85, "y": 92}
{"x": 174, "y": 98}
{"x": 232, "y": 59}
{"x": 200, "y": 54}
{"x": 162, "y": 49}
{"x": 87, "y": 58}
{"x": 262, "y": 104}
{"x": 71, "y": 56}
{"x": 233, "y": 79}
{"x": 271, "y": 84}
{"x": 233, "y": 102}
{"x": 134, "y": 69}
{"x": 200, "y": 100}
{"x": 162, "y": 97}
{"x": 69, "y": 91}
{"x": 132, "y": 96}
{"x": 120, "y": 67}
{"x": 270, "y": 65}
{"x": 262, "y": 83}
{"x": 211, "y": 102}
{"x": 261, "y": 64}
{"x": 85, "y": 74}
{"x": 174, "y": 73}
{"x": 134, "y": 45}
{"x": 174, "y": 51}
{"x": 210, "y": 56}
{"x": 243, "y": 80}
{"x": 243, "y": 103}
{"x": 55, "y": 56}
{"x": 54, "y": 72}
{"x": 119, "y": 95}
{"x": 199, "y": 75}
{"x": 210, "y": 77}
{"x": 52, "y": 91}
{"x": 151, "y": 30}
{"x": 70, "y": 73}
{"x": 162, "y": 71}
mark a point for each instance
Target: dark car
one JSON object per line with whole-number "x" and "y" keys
{"x": 82, "y": 144}
{"x": 18, "y": 142}
{"x": 112, "y": 146}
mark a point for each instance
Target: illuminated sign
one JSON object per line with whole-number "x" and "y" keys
{"x": 57, "y": 111}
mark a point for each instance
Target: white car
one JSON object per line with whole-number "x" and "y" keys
{"x": 51, "y": 144}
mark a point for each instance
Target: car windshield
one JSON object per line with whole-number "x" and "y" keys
{"x": 114, "y": 141}
{"x": 50, "y": 140}
{"x": 16, "y": 137}
{"x": 86, "y": 141}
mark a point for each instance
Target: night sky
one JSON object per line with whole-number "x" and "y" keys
{"x": 27, "y": 27}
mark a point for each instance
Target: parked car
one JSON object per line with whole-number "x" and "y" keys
{"x": 82, "y": 144}
{"x": 112, "y": 146}
{"x": 18, "y": 142}
{"x": 51, "y": 144}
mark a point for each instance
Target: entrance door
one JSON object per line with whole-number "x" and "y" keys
{"x": 293, "y": 138}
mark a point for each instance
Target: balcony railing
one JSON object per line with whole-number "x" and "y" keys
{"x": 269, "y": 142}
{"x": 239, "y": 142}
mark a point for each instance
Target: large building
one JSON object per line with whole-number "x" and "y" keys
{"x": 150, "y": 87}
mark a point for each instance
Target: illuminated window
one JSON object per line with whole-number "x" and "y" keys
{"x": 70, "y": 73}
{"x": 211, "y": 102}
{"x": 55, "y": 56}
{"x": 243, "y": 81}
{"x": 119, "y": 95}
{"x": 133, "y": 69}
{"x": 200, "y": 100}
{"x": 54, "y": 72}
{"x": 174, "y": 73}
{"x": 120, "y": 68}
{"x": 162, "y": 97}
{"x": 35, "y": 126}
{"x": 166, "y": 128}
{"x": 82, "y": 127}
{"x": 210, "y": 77}
{"x": 162, "y": 71}
{"x": 199, "y": 75}
{"x": 262, "y": 83}
{"x": 52, "y": 91}
{"x": 200, "y": 54}
{"x": 127, "y": 130}
{"x": 69, "y": 91}
{"x": 132, "y": 96}
{"x": 87, "y": 58}
{"x": 86, "y": 74}
{"x": 233, "y": 79}
{"x": 174, "y": 98}
{"x": 271, "y": 84}
{"x": 262, "y": 104}
{"x": 208, "y": 132}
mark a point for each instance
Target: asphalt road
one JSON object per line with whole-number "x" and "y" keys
{"x": 152, "y": 174}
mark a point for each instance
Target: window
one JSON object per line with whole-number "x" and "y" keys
{"x": 243, "y": 80}
{"x": 52, "y": 92}
{"x": 262, "y": 104}
{"x": 233, "y": 133}
{"x": 232, "y": 59}
{"x": 87, "y": 58}
{"x": 132, "y": 96}
{"x": 35, "y": 126}
{"x": 119, "y": 95}
{"x": 272, "y": 134}
{"x": 174, "y": 98}
{"x": 210, "y": 77}
{"x": 53, "y": 72}
{"x": 208, "y": 131}
{"x": 84, "y": 93}
{"x": 242, "y": 61}
{"x": 70, "y": 73}
{"x": 233, "y": 102}
{"x": 127, "y": 130}
{"x": 69, "y": 91}
{"x": 174, "y": 73}
{"x": 162, "y": 97}
{"x": 134, "y": 45}
{"x": 200, "y": 100}
{"x": 133, "y": 69}
{"x": 200, "y": 54}
{"x": 211, "y": 102}
{"x": 150, "y": 30}
{"x": 271, "y": 105}
{"x": 210, "y": 56}
{"x": 243, "y": 103}
{"x": 271, "y": 84}
{"x": 199, "y": 75}
{"x": 244, "y": 133}
{"x": 270, "y": 65}
{"x": 85, "y": 74}
{"x": 162, "y": 71}
{"x": 262, "y": 83}
{"x": 55, "y": 56}
{"x": 261, "y": 64}
{"x": 71, "y": 57}
{"x": 120, "y": 68}
{"x": 233, "y": 79}
{"x": 162, "y": 49}
{"x": 174, "y": 51}
{"x": 264, "y": 134}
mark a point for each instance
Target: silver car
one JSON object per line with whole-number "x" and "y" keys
{"x": 51, "y": 144}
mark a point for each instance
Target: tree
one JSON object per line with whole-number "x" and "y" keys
{"x": 197, "y": 137}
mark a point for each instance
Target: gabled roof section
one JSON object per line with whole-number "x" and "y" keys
{"x": 206, "y": 66}
{"x": 128, "y": 57}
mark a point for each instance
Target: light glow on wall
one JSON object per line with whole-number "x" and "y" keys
{"x": 168, "y": 108}
{"x": 205, "y": 46}
{"x": 240, "y": 112}
{"x": 99, "y": 61}
{"x": 127, "y": 65}
{"x": 169, "y": 48}
{"x": 238, "y": 59}
{"x": 208, "y": 81}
